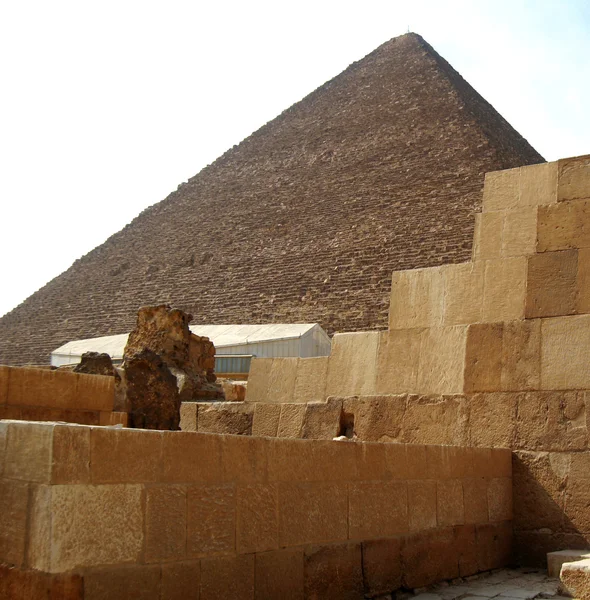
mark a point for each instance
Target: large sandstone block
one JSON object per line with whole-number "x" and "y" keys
{"x": 281, "y": 381}
{"x": 266, "y": 419}
{"x": 279, "y": 574}
{"x": 551, "y": 284}
{"x": 563, "y": 226}
{"x": 565, "y": 346}
{"x": 71, "y": 454}
{"x": 181, "y": 580}
{"x": 573, "y": 178}
{"x": 492, "y": 419}
{"x": 257, "y": 519}
{"x": 244, "y": 459}
{"x": 575, "y": 578}
{"x": 188, "y": 416}
{"x": 311, "y": 379}
{"x": 397, "y": 361}
{"x": 4, "y": 376}
{"x": 463, "y": 293}
{"x": 519, "y": 234}
{"x": 521, "y": 355}
{"x": 258, "y": 379}
{"x": 583, "y": 282}
{"x": 487, "y": 240}
{"x": 483, "y": 357}
{"x": 43, "y": 387}
{"x": 382, "y": 566}
{"x": 577, "y": 503}
{"x": 417, "y": 298}
{"x": 376, "y": 418}
{"x": 191, "y": 457}
{"x": 95, "y": 392}
{"x": 322, "y": 420}
{"x": 228, "y": 577}
{"x": 538, "y": 184}
{"x": 504, "y": 289}
{"x": 225, "y": 417}
{"x": 133, "y": 581}
{"x": 352, "y": 367}
{"x": 500, "y": 499}
{"x": 475, "y": 499}
{"x": 450, "y": 508}
{"x": 165, "y": 523}
{"x": 501, "y": 190}
{"x": 291, "y": 420}
{"x": 14, "y": 509}
{"x": 421, "y": 505}
{"x": 28, "y": 451}
{"x": 494, "y": 545}
{"x": 466, "y": 547}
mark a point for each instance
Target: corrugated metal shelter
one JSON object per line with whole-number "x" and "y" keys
{"x": 235, "y": 345}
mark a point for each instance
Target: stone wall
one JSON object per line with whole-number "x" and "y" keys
{"x": 188, "y": 515}
{"x": 46, "y": 395}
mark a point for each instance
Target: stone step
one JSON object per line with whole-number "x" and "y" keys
{"x": 556, "y": 559}
{"x": 575, "y": 579}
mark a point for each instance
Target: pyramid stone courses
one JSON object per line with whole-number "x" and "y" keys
{"x": 380, "y": 169}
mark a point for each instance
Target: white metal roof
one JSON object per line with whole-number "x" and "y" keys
{"x": 220, "y": 335}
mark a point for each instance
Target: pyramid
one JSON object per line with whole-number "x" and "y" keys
{"x": 380, "y": 169}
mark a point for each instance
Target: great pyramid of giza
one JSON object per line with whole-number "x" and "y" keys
{"x": 379, "y": 169}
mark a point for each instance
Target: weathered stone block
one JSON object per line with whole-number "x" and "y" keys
{"x": 487, "y": 240}
{"x": 397, "y": 361}
{"x": 244, "y": 459}
{"x": 28, "y": 452}
{"x": 442, "y": 360}
{"x": 575, "y": 579}
{"x": 555, "y": 560}
{"x": 450, "y": 509}
{"x": 257, "y": 527}
{"x": 565, "y": 344}
{"x": 95, "y": 392}
{"x": 279, "y": 574}
{"x": 266, "y": 419}
{"x": 281, "y": 381}
{"x": 483, "y": 357}
{"x": 258, "y": 380}
{"x": 93, "y": 525}
{"x": 583, "y": 282}
{"x": 577, "y": 503}
{"x": 504, "y": 289}
{"x": 211, "y": 520}
{"x": 377, "y": 510}
{"x": 333, "y": 572}
{"x": 228, "y": 577}
{"x": 564, "y": 225}
{"x": 42, "y": 387}
{"x": 551, "y": 284}
{"x": 4, "y": 376}
{"x": 417, "y": 298}
{"x": 125, "y": 455}
{"x": 421, "y": 505}
{"x": 501, "y": 190}
{"x": 538, "y": 184}
{"x": 494, "y": 545}
{"x": 573, "y": 180}
{"x": 376, "y": 418}
{"x": 492, "y": 419}
{"x": 500, "y": 499}
{"x": 322, "y": 420}
{"x": 71, "y": 454}
{"x": 165, "y": 523}
{"x": 133, "y": 581}
{"x": 14, "y": 507}
{"x": 466, "y": 548}
{"x": 291, "y": 420}
{"x": 382, "y": 566}
{"x": 225, "y": 417}
{"x": 311, "y": 380}
{"x": 312, "y": 512}
{"x": 519, "y": 236}
{"x": 181, "y": 580}
{"x": 191, "y": 457}
{"x": 188, "y": 416}
{"x": 521, "y": 355}
{"x": 475, "y": 500}
{"x": 463, "y": 288}
{"x": 352, "y": 368}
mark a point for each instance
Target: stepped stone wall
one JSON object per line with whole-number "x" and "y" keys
{"x": 377, "y": 170}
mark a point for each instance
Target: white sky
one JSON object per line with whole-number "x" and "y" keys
{"x": 105, "y": 107}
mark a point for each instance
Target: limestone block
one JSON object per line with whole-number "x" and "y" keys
{"x": 188, "y": 416}
{"x": 565, "y": 346}
{"x": 17, "y": 584}
{"x": 333, "y": 572}
{"x": 181, "y": 580}
{"x": 551, "y": 284}
{"x": 552, "y": 421}
{"x": 311, "y": 379}
{"x": 492, "y": 419}
{"x": 435, "y": 419}
{"x": 538, "y": 184}
{"x": 483, "y": 357}
{"x": 244, "y": 459}
{"x": 281, "y": 381}
{"x": 165, "y": 523}
{"x": 377, "y": 509}
{"x": 583, "y": 282}
{"x": 28, "y": 452}
{"x": 494, "y": 545}
{"x": 291, "y": 420}
{"x": 500, "y": 462}
{"x": 450, "y": 509}
{"x": 442, "y": 360}
{"x": 573, "y": 180}
{"x": 577, "y": 503}
{"x": 487, "y": 241}
{"x": 266, "y": 419}
{"x": 279, "y": 574}
{"x": 71, "y": 454}
{"x": 257, "y": 519}
{"x": 575, "y": 579}
{"x": 228, "y": 577}
{"x": 397, "y": 361}
{"x": 225, "y": 417}
{"x": 413, "y": 457}
{"x": 211, "y": 520}
{"x": 504, "y": 289}
{"x": 564, "y": 225}
{"x": 125, "y": 455}
{"x": 521, "y": 355}
{"x": 14, "y": 507}
{"x": 42, "y": 387}
{"x": 376, "y": 418}
{"x": 501, "y": 190}
{"x": 421, "y": 505}
{"x": 500, "y": 499}
{"x": 322, "y": 420}
{"x": 95, "y": 392}
{"x": 417, "y": 298}
{"x": 39, "y": 528}
{"x": 352, "y": 367}
{"x": 463, "y": 293}
{"x": 95, "y": 524}
{"x": 429, "y": 557}
{"x": 312, "y": 512}
{"x": 556, "y": 559}
{"x": 382, "y": 566}
{"x": 475, "y": 499}
{"x": 258, "y": 380}
{"x": 519, "y": 235}
{"x": 191, "y": 457}
{"x": 466, "y": 547}
{"x": 4, "y": 376}
{"x": 134, "y": 581}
